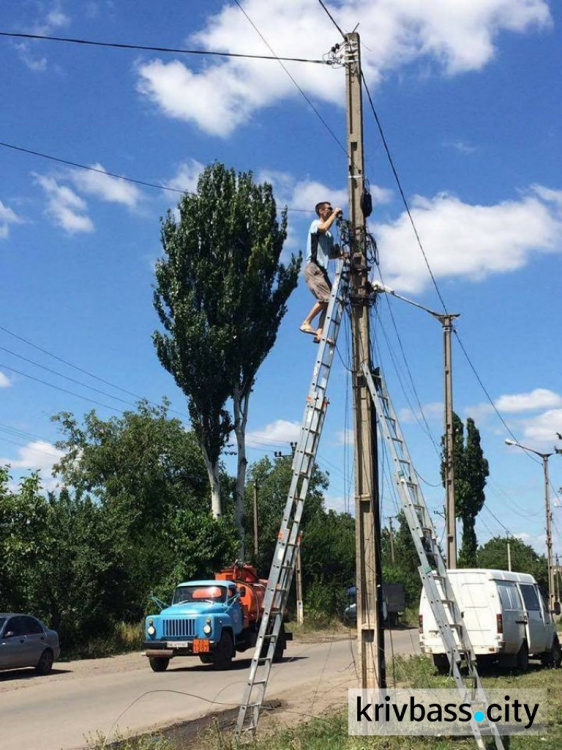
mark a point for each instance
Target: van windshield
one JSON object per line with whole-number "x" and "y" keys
{"x": 196, "y": 594}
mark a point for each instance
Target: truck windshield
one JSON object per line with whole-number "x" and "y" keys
{"x": 210, "y": 594}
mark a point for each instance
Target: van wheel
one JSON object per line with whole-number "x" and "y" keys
{"x": 523, "y": 657}
{"x": 553, "y": 658}
{"x": 441, "y": 663}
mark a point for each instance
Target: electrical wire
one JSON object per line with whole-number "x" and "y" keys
{"x": 80, "y": 369}
{"x": 134, "y": 180}
{"x": 331, "y": 18}
{"x": 306, "y": 98}
{"x": 148, "y": 48}
{"x": 401, "y": 190}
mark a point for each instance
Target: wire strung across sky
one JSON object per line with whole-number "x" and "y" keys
{"x": 113, "y": 174}
{"x": 148, "y": 48}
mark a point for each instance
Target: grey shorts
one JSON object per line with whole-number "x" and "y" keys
{"x": 318, "y": 282}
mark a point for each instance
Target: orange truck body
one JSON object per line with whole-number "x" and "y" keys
{"x": 250, "y": 587}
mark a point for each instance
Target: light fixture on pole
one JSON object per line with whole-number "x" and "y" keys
{"x": 544, "y": 458}
{"x": 446, "y": 321}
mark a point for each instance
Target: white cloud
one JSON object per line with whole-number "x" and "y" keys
{"x": 463, "y": 240}
{"x": 540, "y": 398}
{"x": 7, "y": 217}
{"x": 65, "y": 207}
{"x": 187, "y": 176}
{"x": 5, "y": 381}
{"x": 455, "y": 36}
{"x": 106, "y": 187}
{"x": 433, "y": 410}
{"x": 464, "y": 148}
{"x": 38, "y": 455}
{"x": 543, "y": 428}
{"x": 279, "y": 432}
{"x": 54, "y": 19}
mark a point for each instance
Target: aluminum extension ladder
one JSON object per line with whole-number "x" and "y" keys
{"x": 433, "y": 571}
{"x": 288, "y": 540}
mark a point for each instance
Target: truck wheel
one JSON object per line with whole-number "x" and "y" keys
{"x": 158, "y": 663}
{"x": 222, "y": 657}
{"x": 523, "y": 657}
{"x": 206, "y": 658}
{"x": 280, "y": 646}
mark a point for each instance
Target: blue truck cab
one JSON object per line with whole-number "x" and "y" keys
{"x": 212, "y": 619}
{"x": 205, "y": 619}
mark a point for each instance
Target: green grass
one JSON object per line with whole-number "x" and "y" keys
{"x": 330, "y": 731}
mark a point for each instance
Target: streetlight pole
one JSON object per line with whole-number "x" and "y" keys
{"x": 446, "y": 321}
{"x": 544, "y": 458}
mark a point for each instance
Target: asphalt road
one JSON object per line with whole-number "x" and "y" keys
{"x": 80, "y": 700}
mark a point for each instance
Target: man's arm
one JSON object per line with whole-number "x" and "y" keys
{"x": 323, "y": 226}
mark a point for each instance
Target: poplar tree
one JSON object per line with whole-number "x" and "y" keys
{"x": 221, "y": 293}
{"x": 471, "y": 471}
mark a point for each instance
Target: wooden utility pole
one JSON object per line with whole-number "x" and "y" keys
{"x": 391, "y": 538}
{"x": 298, "y": 566}
{"x": 450, "y": 514}
{"x": 256, "y": 545}
{"x": 370, "y": 635}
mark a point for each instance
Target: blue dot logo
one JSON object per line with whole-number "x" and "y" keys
{"x": 479, "y": 716}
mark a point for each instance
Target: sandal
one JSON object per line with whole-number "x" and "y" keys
{"x": 307, "y": 329}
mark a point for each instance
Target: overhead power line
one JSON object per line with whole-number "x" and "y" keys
{"x": 305, "y": 97}
{"x": 144, "y": 183}
{"x": 330, "y": 16}
{"x": 149, "y": 48}
{"x": 79, "y": 369}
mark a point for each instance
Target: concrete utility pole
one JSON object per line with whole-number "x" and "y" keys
{"x": 544, "y": 457}
{"x": 508, "y": 554}
{"x": 446, "y": 321}
{"x": 450, "y": 516}
{"x": 370, "y": 634}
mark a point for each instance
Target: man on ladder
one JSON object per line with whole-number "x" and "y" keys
{"x": 319, "y": 249}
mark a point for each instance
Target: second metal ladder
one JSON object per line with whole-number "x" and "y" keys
{"x": 288, "y": 541}
{"x": 433, "y": 571}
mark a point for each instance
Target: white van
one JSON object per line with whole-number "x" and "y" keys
{"x": 505, "y": 615}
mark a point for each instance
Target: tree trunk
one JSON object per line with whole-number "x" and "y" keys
{"x": 213, "y": 472}
{"x": 241, "y": 404}
{"x": 467, "y": 555}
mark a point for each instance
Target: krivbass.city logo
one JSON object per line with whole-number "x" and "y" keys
{"x": 446, "y": 712}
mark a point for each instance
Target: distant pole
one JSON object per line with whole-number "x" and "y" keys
{"x": 450, "y": 515}
{"x": 298, "y": 567}
{"x": 545, "y": 457}
{"x": 256, "y": 545}
{"x": 370, "y": 634}
{"x": 508, "y": 554}
{"x": 391, "y": 537}
{"x": 300, "y": 606}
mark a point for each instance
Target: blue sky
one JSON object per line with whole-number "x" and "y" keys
{"x": 469, "y": 95}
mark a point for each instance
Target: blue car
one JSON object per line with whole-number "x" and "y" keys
{"x": 26, "y": 642}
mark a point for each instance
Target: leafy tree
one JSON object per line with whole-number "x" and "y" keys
{"x": 221, "y": 293}
{"x": 524, "y": 559}
{"x": 471, "y": 470}
{"x": 273, "y": 479}
{"x": 404, "y": 569}
{"x": 147, "y": 474}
